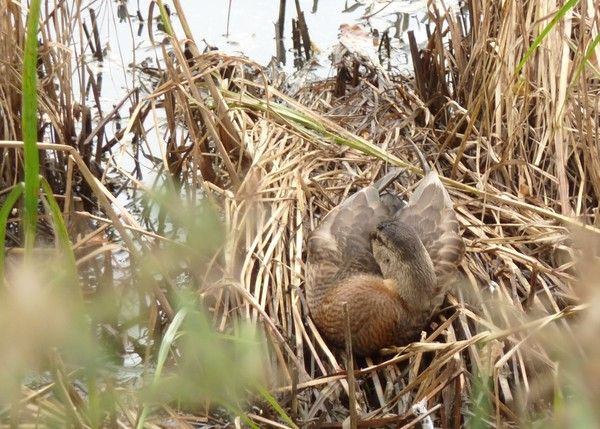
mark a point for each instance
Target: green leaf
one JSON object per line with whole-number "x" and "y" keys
{"x": 10, "y": 201}
{"x": 586, "y": 57}
{"x": 538, "y": 40}
{"x": 165, "y": 19}
{"x": 29, "y": 125}
{"x": 167, "y": 341}
{"x": 273, "y": 402}
{"x": 60, "y": 229}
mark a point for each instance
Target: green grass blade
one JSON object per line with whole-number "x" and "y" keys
{"x": 238, "y": 412}
{"x": 586, "y": 58}
{"x": 538, "y": 40}
{"x": 29, "y": 124}
{"x": 62, "y": 235}
{"x": 170, "y": 336}
{"x": 167, "y": 342}
{"x": 275, "y": 405}
{"x": 10, "y": 201}
{"x": 165, "y": 19}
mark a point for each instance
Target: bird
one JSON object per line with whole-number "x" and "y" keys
{"x": 390, "y": 262}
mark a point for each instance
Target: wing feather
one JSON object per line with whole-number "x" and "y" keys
{"x": 430, "y": 212}
{"x": 341, "y": 267}
{"x": 340, "y": 246}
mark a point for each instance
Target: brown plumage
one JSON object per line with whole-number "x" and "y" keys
{"x": 391, "y": 264}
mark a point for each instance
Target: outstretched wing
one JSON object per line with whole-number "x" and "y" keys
{"x": 340, "y": 246}
{"x": 430, "y": 212}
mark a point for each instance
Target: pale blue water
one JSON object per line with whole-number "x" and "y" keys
{"x": 250, "y": 31}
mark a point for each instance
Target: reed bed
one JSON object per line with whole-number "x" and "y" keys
{"x": 518, "y": 150}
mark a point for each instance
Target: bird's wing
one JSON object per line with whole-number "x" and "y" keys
{"x": 340, "y": 246}
{"x": 430, "y": 212}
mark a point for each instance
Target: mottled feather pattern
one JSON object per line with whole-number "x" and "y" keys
{"x": 378, "y": 317}
{"x": 433, "y": 217}
{"x": 341, "y": 267}
{"x": 430, "y": 212}
{"x": 340, "y": 247}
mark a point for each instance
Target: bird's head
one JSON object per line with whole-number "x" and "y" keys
{"x": 397, "y": 248}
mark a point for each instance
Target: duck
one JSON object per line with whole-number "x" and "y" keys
{"x": 390, "y": 262}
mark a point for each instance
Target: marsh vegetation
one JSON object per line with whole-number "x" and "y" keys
{"x": 153, "y": 263}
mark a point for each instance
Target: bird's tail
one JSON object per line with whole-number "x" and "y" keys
{"x": 388, "y": 179}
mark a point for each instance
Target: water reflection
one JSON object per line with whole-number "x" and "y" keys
{"x": 288, "y": 35}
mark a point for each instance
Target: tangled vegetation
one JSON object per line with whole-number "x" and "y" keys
{"x": 184, "y": 305}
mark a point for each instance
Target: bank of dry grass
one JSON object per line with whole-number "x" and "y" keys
{"x": 519, "y": 154}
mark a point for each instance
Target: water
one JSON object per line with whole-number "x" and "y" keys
{"x": 248, "y": 29}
